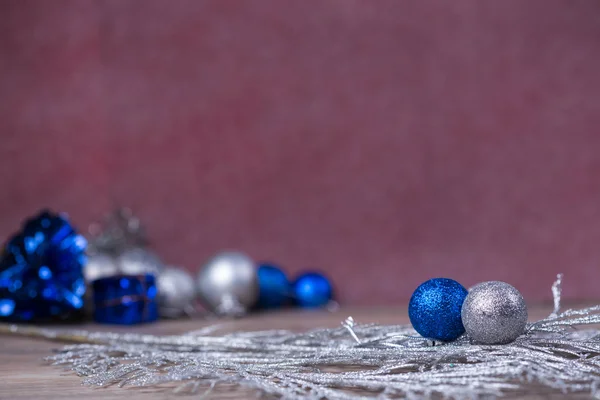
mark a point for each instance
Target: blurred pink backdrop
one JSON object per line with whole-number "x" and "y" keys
{"x": 385, "y": 142}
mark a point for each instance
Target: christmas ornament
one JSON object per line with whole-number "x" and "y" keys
{"x": 118, "y": 246}
{"x": 119, "y": 231}
{"x": 137, "y": 261}
{"x": 494, "y": 313}
{"x": 228, "y": 283}
{"x": 354, "y": 361}
{"x": 99, "y": 265}
{"x": 125, "y": 299}
{"x": 41, "y": 271}
{"x": 176, "y": 292}
{"x": 274, "y": 287}
{"x": 312, "y": 290}
{"x": 435, "y": 309}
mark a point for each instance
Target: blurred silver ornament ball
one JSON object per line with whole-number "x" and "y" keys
{"x": 99, "y": 265}
{"x": 494, "y": 313}
{"x": 176, "y": 292}
{"x": 228, "y": 283}
{"x": 137, "y": 260}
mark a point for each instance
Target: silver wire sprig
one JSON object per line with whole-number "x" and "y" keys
{"x": 351, "y": 361}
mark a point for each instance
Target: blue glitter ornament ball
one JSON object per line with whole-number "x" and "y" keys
{"x": 435, "y": 309}
{"x": 41, "y": 274}
{"x": 274, "y": 287}
{"x": 312, "y": 290}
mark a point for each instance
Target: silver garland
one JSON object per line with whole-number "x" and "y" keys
{"x": 352, "y": 361}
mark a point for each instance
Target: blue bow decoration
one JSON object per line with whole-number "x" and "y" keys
{"x": 41, "y": 271}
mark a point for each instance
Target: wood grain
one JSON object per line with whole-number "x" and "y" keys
{"x": 23, "y": 374}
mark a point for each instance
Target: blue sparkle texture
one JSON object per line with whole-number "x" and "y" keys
{"x": 125, "y": 299}
{"x": 312, "y": 290}
{"x": 434, "y": 309}
{"x": 41, "y": 271}
{"x": 274, "y": 286}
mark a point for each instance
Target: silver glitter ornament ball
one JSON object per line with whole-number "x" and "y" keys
{"x": 137, "y": 260}
{"x": 176, "y": 292}
{"x": 494, "y": 313}
{"x": 228, "y": 283}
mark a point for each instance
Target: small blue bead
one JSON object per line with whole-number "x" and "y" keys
{"x": 273, "y": 285}
{"x": 7, "y": 306}
{"x": 434, "y": 309}
{"x": 125, "y": 299}
{"x": 312, "y": 290}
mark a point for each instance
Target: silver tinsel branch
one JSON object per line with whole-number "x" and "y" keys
{"x": 352, "y": 361}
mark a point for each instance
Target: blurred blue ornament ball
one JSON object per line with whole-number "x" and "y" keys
{"x": 312, "y": 290}
{"x": 274, "y": 287}
{"x": 435, "y": 309}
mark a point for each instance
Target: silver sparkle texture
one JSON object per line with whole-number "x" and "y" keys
{"x": 494, "y": 313}
{"x": 228, "y": 283}
{"x": 354, "y": 361}
{"x": 118, "y": 245}
{"x": 118, "y": 231}
{"x": 176, "y": 292}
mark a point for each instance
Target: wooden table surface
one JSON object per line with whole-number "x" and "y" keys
{"x": 23, "y": 375}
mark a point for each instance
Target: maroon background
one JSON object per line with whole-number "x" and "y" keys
{"x": 384, "y": 141}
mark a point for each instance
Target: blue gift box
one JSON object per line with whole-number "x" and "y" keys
{"x": 125, "y": 299}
